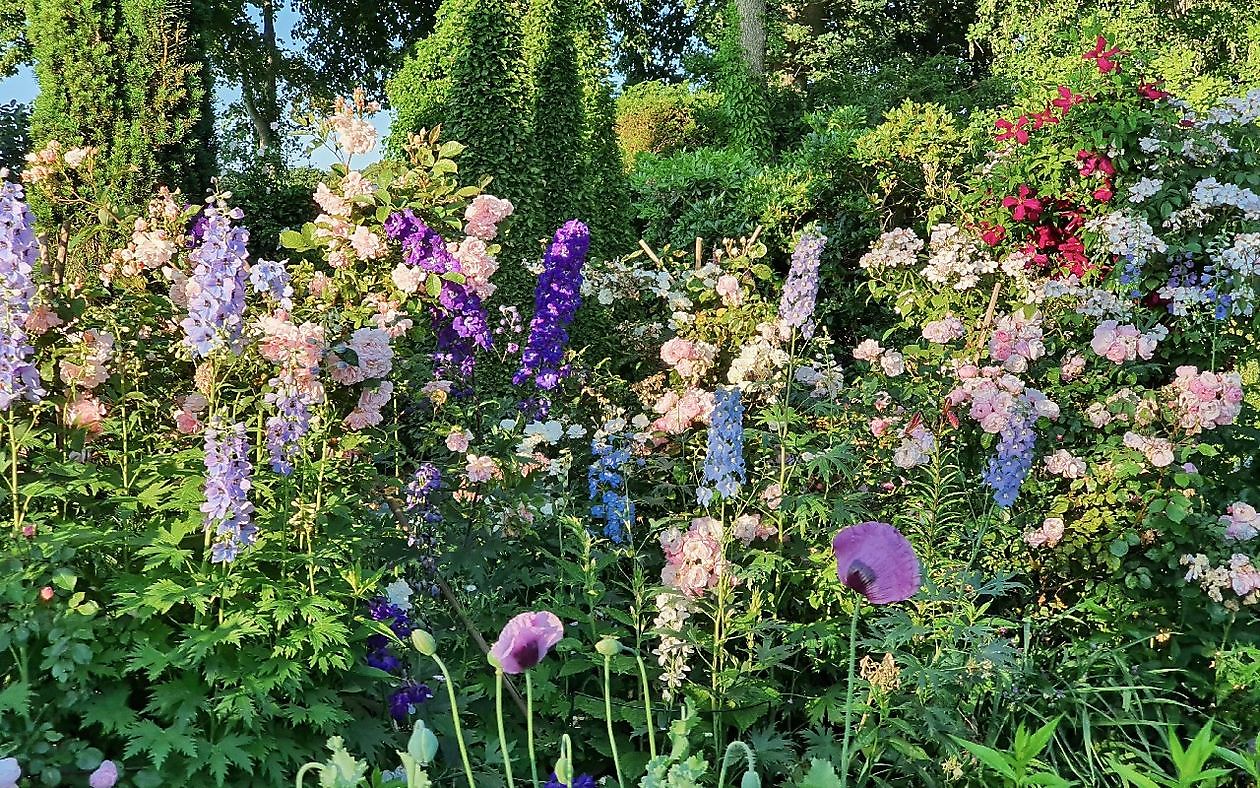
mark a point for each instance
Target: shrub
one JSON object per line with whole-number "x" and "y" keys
{"x": 659, "y": 118}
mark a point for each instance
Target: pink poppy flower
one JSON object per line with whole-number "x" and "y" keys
{"x": 875, "y": 560}
{"x": 525, "y": 640}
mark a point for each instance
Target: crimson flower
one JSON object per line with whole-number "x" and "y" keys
{"x": 992, "y": 234}
{"x": 1044, "y": 118}
{"x": 525, "y": 640}
{"x": 1104, "y": 193}
{"x": 1150, "y": 90}
{"x": 1067, "y": 99}
{"x": 1024, "y": 208}
{"x": 1102, "y": 56}
{"x": 1045, "y": 237}
{"x": 1091, "y": 163}
{"x": 1015, "y": 131}
{"x": 876, "y": 561}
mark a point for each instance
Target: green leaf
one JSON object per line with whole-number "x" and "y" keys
{"x": 989, "y": 757}
{"x": 821, "y": 774}
{"x": 1131, "y": 776}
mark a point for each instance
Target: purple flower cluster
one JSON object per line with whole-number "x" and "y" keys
{"x": 556, "y": 300}
{"x": 422, "y": 533}
{"x": 581, "y": 781}
{"x": 380, "y": 655}
{"x": 800, "y": 291}
{"x": 423, "y": 247}
{"x": 724, "y": 461}
{"x": 403, "y": 702}
{"x": 19, "y": 251}
{"x": 216, "y": 289}
{"x": 286, "y": 427}
{"x": 227, "y": 507}
{"x": 459, "y": 316}
{"x": 1013, "y": 458}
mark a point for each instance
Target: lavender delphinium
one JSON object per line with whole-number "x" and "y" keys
{"x": 800, "y": 291}
{"x": 1013, "y": 457}
{"x": 19, "y": 252}
{"x": 271, "y": 276}
{"x": 556, "y": 300}
{"x": 227, "y": 507}
{"x": 610, "y": 500}
{"x": 286, "y": 427}
{"x": 216, "y": 289}
{"x": 424, "y": 516}
{"x": 724, "y": 460}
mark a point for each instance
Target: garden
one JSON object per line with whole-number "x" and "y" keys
{"x": 546, "y": 393}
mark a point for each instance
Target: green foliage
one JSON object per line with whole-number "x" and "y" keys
{"x": 127, "y": 77}
{"x": 275, "y": 199}
{"x": 655, "y": 117}
{"x": 14, "y": 142}
{"x": 745, "y": 104}
{"x": 1019, "y": 767}
{"x": 698, "y": 193}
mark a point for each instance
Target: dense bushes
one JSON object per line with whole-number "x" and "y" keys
{"x": 653, "y": 117}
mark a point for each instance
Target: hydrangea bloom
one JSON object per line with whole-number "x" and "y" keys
{"x": 19, "y": 251}
{"x": 1241, "y": 521}
{"x": 724, "y": 460}
{"x": 216, "y": 289}
{"x": 800, "y": 291}
{"x": 556, "y": 300}
{"x": 227, "y": 508}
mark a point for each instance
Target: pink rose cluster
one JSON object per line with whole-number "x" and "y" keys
{"x": 1048, "y": 534}
{"x": 188, "y": 413}
{"x": 1016, "y": 341}
{"x": 373, "y": 357}
{"x": 367, "y": 413}
{"x": 728, "y": 288}
{"x": 1064, "y": 463}
{"x": 1120, "y": 343}
{"x": 1205, "y": 400}
{"x": 689, "y": 359}
{"x": 1157, "y": 451}
{"x": 890, "y": 362}
{"x": 1241, "y": 521}
{"x": 1240, "y": 575}
{"x": 995, "y": 396}
{"x": 678, "y": 412}
{"x": 916, "y": 447}
{"x": 943, "y": 331}
{"x": 476, "y": 264}
{"x": 296, "y": 349}
{"x": 483, "y": 214}
{"x": 749, "y": 527}
{"x": 693, "y": 558}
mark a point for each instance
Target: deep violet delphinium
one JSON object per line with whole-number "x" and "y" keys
{"x": 581, "y": 781}
{"x": 724, "y": 459}
{"x": 1013, "y": 455}
{"x": 380, "y": 655}
{"x": 459, "y": 316}
{"x": 606, "y": 483}
{"x": 216, "y": 289}
{"x": 228, "y": 512}
{"x": 19, "y": 252}
{"x": 556, "y": 300}
{"x": 404, "y": 701}
{"x": 800, "y": 291}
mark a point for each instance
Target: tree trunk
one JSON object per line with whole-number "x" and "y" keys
{"x": 752, "y": 34}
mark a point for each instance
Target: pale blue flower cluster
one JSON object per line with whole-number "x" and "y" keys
{"x": 19, "y": 252}
{"x": 610, "y": 500}
{"x": 800, "y": 291}
{"x": 227, "y": 508}
{"x": 724, "y": 461}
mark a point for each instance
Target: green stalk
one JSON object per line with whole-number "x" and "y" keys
{"x": 13, "y": 474}
{"x": 647, "y": 704}
{"x": 848, "y": 697}
{"x": 612, "y": 742}
{"x": 459, "y": 731}
{"x": 498, "y": 711}
{"x": 529, "y": 727}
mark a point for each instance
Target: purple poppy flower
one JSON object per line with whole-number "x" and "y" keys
{"x": 105, "y": 775}
{"x": 526, "y": 640}
{"x": 876, "y": 561}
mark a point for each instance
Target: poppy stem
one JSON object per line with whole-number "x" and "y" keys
{"x": 459, "y": 731}
{"x": 647, "y": 704}
{"x": 848, "y": 699}
{"x": 498, "y": 710}
{"x": 529, "y": 727}
{"x": 612, "y": 742}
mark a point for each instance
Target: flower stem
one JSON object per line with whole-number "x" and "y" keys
{"x": 647, "y": 704}
{"x": 13, "y": 474}
{"x": 848, "y": 696}
{"x": 498, "y": 711}
{"x": 612, "y": 742}
{"x": 459, "y": 731}
{"x": 529, "y": 727}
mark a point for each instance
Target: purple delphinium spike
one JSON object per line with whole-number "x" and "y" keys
{"x": 19, "y": 252}
{"x": 216, "y": 289}
{"x": 556, "y": 300}
{"x": 800, "y": 291}
{"x": 875, "y": 560}
{"x": 227, "y": 507}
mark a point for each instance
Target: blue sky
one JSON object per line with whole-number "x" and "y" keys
{"x": 23, "y": 87}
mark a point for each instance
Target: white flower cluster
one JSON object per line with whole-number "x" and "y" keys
{"x": 894, "y": 249}
{"x": 956, "y": 258}
{"x": 825, "y": 379}
{"x": 759, "y": 359}
{"x": 673, "y": 652}
{"x": 1145, "y": 189}
{"x": 1128, "y": 235}
{"x": 1090, "y": 301}
{"x": 1243, "y": 111}
{"x": 1210, "y": 193}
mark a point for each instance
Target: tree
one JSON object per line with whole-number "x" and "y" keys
{"x": 127, "y": 77}
{"x": 557, "y": 129}
{"x": 14, "y": 120}
{"x": 744, "y": 100}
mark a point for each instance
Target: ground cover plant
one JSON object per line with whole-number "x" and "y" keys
{"x": 951, "y": 481}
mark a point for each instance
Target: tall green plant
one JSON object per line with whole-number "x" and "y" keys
{"x": 744, "y": 100}
{"x": 557, "y": 113}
